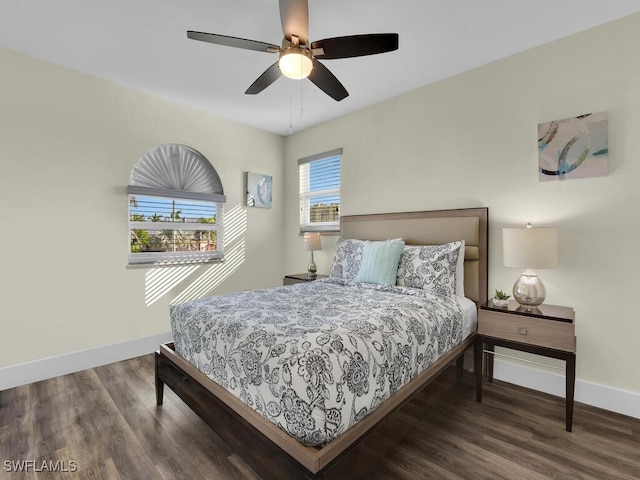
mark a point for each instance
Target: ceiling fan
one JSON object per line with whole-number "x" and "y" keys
{"x": 299, "y": 58}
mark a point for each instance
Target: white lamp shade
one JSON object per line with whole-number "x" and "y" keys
{"x": 312, "y": 241}
{"x": 530, "y": 247}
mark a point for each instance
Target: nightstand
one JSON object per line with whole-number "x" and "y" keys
{"x": 548, "y": 330}
{"x": 300, "y": 278}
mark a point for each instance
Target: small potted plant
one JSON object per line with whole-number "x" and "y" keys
{"x": 500, "y": 299}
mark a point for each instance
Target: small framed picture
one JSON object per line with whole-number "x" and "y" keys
{"x": 259, "y": 190}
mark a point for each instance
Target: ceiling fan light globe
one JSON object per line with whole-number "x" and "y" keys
{"x": 295, "y": 63}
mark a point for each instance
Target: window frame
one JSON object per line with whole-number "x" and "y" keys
{"x": 177, "y": 172}
{"x": 306, "y": 194}
{"x": 176, "y": 257}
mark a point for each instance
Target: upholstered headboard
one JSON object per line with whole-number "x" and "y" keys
{"x": 433, "y": 228}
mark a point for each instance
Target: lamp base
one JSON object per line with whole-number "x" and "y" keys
{"x": 529, "y": 290}
{"x": 312, "y": 268}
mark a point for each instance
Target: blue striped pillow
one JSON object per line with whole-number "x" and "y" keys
{"x": 380, "y": 262}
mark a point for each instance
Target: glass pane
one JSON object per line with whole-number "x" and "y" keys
{"x": 153, "y": 209}
{"x": 324, "y": 174}
{"x": 145, "y": 241}
{"x": 324, "y": 209}
{"x": 320, "y": 192}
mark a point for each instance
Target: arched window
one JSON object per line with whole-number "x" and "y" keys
{"x": 175, "y": 207}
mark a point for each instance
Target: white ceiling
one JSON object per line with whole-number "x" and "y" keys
{"x": 143, "y": 44}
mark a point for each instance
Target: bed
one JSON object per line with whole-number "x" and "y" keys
{"x": 287, "y": 436}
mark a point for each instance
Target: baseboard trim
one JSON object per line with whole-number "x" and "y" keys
{"x": 607, "y": 398}
{"x": 29, "y": 372}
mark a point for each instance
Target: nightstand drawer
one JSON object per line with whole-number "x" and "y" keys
{"x": 530, "y": 330}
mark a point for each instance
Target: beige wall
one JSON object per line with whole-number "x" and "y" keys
{"x": 471, "y": 141}
{"x": 68, "y": 142}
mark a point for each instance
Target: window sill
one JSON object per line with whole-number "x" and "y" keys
{"x": 137, "y": 266}
{"x": 322, "y": 234}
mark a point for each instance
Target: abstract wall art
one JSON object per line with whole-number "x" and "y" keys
{"x": 574, "y": 147}
{"x": 259, "y": 190}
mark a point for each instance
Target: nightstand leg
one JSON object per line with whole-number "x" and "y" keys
{"x": 571, "y": 381}
{"x": 478, "y": 347}
{"x": 490, "y": 356}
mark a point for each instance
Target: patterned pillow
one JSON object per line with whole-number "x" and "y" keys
{"x": 347, "y": 259}
{"x": 431, "y": 267}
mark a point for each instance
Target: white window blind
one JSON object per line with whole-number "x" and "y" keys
{"x": 320, "y": 192}
{"x": 167, "y": 229}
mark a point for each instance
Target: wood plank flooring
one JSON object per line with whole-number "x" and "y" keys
{"x": 104, "y": 422}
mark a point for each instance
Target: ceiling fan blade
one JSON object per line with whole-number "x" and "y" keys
{"x": 294, "y": 16}
{"x": 269, "y": 76}
{"x": 356, "y": 45}
{"x": 233, "y": 41}
{"x": 327, "y": 82}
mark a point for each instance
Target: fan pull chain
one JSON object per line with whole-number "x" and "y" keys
{"x": 301, "y": 99}
{"x": 291, "y": 114}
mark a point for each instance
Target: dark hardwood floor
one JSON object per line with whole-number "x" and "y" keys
{"x": 104, "y": 424}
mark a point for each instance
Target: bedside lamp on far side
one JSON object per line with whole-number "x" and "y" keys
{"x": 311, "y": 243}
{"x": 530, "y": 248}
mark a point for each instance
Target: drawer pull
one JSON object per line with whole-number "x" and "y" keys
{"x": 522, "y": 330}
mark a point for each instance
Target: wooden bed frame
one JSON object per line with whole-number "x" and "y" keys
{"x": 270, "y": 451}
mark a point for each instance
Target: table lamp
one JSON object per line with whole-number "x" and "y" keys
{"x": 530, "y": 248}
{"x": 311, "y": 243}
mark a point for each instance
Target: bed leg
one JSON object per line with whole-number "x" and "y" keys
{"x": 459, "y": 366}
{"x": 159, "y": 383}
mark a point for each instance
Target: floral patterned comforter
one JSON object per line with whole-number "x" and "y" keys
{"x": 315, "y": 358}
